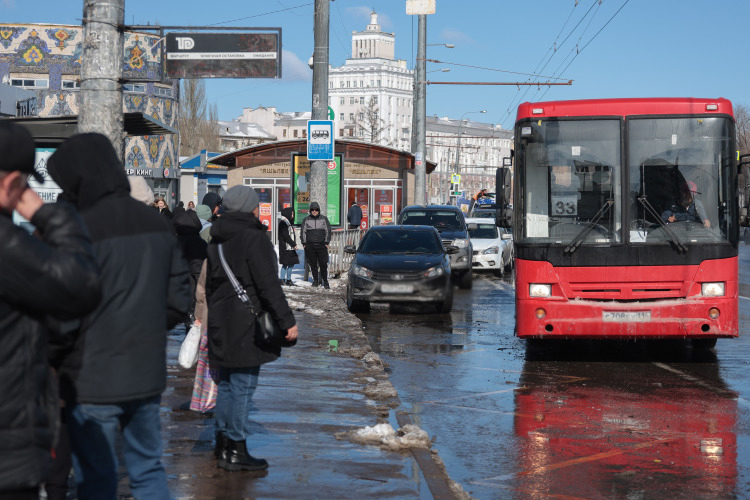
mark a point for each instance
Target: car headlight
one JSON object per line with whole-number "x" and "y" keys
{"x": 712, "y": 289}
{"x": 434, "y": 272}
{"x": 360, "y": 271}
{"x": 491, "y": 250}
{"x": 461, "y": 243}
{"x": 540, "y": 290}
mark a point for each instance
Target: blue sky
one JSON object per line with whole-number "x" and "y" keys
{"x": 612, "y": 48}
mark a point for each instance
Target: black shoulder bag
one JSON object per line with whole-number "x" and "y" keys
{"x": 267, "y": 331}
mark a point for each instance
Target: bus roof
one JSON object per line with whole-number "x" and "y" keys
{"x": 625, "y": 107}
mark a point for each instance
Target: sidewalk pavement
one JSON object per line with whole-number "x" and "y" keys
{"x": 323, "y": 386}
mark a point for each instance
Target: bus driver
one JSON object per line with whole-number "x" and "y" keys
{"x": 687, "y": 208}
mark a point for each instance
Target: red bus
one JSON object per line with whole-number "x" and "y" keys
{"x": 625, "y": 218}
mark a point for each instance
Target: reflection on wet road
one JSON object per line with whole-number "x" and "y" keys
{"x": 580, "y": 419}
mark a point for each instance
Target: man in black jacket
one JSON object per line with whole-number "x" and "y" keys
{"x": 315, "y": 237}
{"x": 113, "y": 376}
{"x": 52, "y": 277}
{"x": 354, "y": 216}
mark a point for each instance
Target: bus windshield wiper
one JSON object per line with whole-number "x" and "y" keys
{"x": 680, "y": 246}
{"x": 573, "y": 246}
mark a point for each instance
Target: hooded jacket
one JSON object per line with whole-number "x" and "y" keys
{"x": 252, "y": 259}
{"x": 51, "y": 277}
{"x": 120, "y": 354}
{"x": 316, "y": 228}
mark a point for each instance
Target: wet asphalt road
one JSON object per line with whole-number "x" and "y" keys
{"x": 575, "y": 420}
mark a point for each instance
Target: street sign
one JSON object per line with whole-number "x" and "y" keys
{"x": 331, "y": 114}
{"x": 320, "y": 140}
{"x": 455, "y": 178}
{"x": 420, "y": 7}
{"x": 457, "y": 193}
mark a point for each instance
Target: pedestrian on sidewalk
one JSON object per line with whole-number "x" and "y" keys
{"x": 113, "y": 375}
{"x": 354, "y": 216}
{"x": 315, "y": 237}
{"x": 288, "y": 257}
{"x": 50, "y": 277}
{"x": 250, "y": 255}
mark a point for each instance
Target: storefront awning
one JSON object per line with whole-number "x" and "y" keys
{"x": 50, "y": 131}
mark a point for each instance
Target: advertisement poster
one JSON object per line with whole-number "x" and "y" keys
{"x": 301, "y": 188}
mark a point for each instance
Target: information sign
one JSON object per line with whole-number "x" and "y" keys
{"x": 320, "y": 140}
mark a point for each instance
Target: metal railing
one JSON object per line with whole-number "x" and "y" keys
{"x": 338, "y": 260}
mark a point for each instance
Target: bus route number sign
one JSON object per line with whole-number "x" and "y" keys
{"x": 565, "y": 205}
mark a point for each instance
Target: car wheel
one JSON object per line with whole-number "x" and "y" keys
{"x": 500, "y": 271}
{"x": 465, "y": 281}
{"x": 446, "y": 306}
{"x": 356, "y": 306}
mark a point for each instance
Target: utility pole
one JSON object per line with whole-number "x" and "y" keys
{"x": 101, "y": 70}
{"x": 420, "y": 171}
{"x": 318, "y": 169}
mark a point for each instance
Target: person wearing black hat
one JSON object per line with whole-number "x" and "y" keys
{"x": 213, "y": 201}
{"x": 50, "y": 277}
{"x": 113, "y": 375}
{"x": 315, "y": 237}
{"x": 251, "y": 257}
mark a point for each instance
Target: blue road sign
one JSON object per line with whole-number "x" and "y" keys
{"x": 320, "y": 140}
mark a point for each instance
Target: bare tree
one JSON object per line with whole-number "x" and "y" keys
{"x": 742, "y": 122}
{"x": 197, "y": 120}
{"x": 369, "y": 122}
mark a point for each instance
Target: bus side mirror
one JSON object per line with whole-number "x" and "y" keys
{"x": 503, "y": 215}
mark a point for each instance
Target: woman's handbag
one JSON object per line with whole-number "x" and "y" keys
{"x": 188, "y": 355}
{"x": 267, "y": 331}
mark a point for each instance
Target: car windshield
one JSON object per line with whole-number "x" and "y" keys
{"x": 440, "y": 219}
{"x": 405, "y": 241}
{"x": 484, "y": 231}
{"x": 484, "y": 214}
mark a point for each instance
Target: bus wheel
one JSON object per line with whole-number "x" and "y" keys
{"x": 704, "y": 344}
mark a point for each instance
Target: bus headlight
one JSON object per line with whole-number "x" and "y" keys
{"x": 712, "y": 289}
{"x": 540, "y": 290}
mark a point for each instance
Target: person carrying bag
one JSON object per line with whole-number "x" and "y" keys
{"x": 232, "y": 346}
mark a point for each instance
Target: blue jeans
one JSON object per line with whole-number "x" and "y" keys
{"x": 234, "y": 399}
{"x": 286, "y": 272}
{"x": 93, "y": 428}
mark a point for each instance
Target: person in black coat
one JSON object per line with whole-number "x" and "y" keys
{"x": 162, "y": 207}
{"x": 231, "y": 326}
{"x": 188, "y": 226}
{"x": 354, "y": 216}
{"x": 50, "y": 277}
{"x": 112, "y": 377}
{"x": 288, "y": 257}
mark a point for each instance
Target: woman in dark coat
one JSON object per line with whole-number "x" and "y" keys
{"x": 288, "y": 257}
{"x": 231, "y": 326}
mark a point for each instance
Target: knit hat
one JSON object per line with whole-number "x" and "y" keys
{"x": 139, "y": 189}
{"x": 211, "y": 199}
{"x": 203, "y": 212}
{"x": 17, "y": 150}
{"x": 241, "y": 199}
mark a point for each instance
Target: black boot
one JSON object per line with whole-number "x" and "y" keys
{"x": 237, "y": 458}
{"x": 290, "y": 283}
{"x": 220, "y": 450}
{"x": 315, "y": 282}
{"x": 282, "y": 282}
{"x": 325, "y": 285}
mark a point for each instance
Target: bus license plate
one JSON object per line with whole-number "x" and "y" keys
{"x": 399, "y": 288}
{"x": 626, "y": 316}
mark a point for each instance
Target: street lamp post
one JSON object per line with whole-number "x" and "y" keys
{"x": 458, "y": 142}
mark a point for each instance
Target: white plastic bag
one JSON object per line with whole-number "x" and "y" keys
{"x": 189, "y": 349}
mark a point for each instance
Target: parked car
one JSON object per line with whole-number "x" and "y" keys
{"x": 400, "y": 264}
{"x": 450, "y": 222}
{"x": 493, "y": 246}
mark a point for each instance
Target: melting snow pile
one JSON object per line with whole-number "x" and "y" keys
{"x": 409, "y": 436}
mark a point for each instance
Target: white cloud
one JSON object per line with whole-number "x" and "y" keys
{"x": 450, "y": 35}
{"x": 293, "y": 68}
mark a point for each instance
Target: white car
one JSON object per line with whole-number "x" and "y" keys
{"x": 493, "y": 246}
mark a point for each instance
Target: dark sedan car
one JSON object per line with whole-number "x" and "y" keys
{"x": 400, "y": 264}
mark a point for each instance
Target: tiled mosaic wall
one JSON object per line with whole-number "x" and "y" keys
{"x": 54, "y": 52}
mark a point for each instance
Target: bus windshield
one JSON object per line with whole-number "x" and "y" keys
{"x": 571, "y": 181}
{"x": 679, "y": 179}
